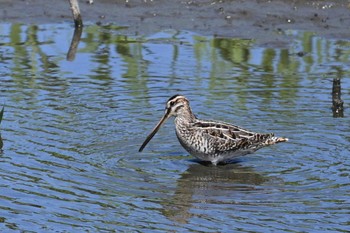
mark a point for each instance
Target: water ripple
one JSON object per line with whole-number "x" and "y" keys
{"x": 72, "y": 130}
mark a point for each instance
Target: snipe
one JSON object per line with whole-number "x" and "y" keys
{"x": 212, "y": 141}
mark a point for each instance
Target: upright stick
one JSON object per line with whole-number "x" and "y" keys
{"x": 78, "y": 21}
{"x": 338, "y": 103}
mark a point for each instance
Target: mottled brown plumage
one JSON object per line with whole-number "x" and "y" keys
{"x": 212, "y": 141}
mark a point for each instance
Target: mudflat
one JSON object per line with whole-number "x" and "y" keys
{"x": 265, "y": 21}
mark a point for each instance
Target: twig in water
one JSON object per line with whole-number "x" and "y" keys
{"x": 337, "y": 107}
{"x": 78, "y": 21}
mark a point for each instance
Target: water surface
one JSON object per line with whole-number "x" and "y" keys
{"x": 72, "y": 129}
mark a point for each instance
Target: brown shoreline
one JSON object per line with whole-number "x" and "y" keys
{"x": 262, "y": 20}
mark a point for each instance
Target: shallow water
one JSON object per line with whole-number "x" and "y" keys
{"x": 72, "y": 129}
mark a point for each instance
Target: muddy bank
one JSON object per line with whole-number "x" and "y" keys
{"x": 265, "y": 21}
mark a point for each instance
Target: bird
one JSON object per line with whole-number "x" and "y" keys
{"x": 208, "y": 140}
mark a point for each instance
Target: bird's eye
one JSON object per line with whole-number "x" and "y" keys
{"x": 172, "y": 103}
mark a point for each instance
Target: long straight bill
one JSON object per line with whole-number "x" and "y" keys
{"x": 154, "y": 131}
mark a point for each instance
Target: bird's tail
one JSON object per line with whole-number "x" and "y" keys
{"x": 274, "y": 140}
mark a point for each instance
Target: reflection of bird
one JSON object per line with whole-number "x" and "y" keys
{"x": 198, "y": 184}
{"x": 212, "y": 141}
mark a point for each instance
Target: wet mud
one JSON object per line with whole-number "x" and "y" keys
{"x": 264, "y": 21}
